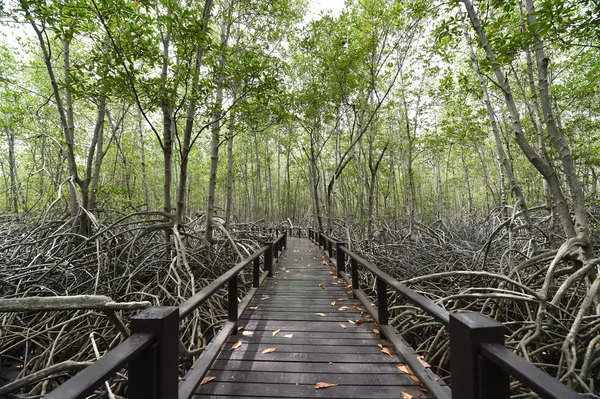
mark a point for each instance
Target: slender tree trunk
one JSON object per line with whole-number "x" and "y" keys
{"x": 229, "y": 195}
{"x": 189, "y": 121}
{"x": 143, "y": 165}
{"x": 216, "y": 130}
{"x": 12, "y": 169}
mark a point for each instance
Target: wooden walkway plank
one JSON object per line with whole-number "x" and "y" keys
{"x": 322, "y": 334}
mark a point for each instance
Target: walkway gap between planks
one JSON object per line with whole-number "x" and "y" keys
{"x": 317, "y": 348}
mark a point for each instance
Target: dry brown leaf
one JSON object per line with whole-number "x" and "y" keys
{"x": 248, "y": 333}
{"x": 343, "y": 326}
{"x": 387, "y": 352}
{"x": 375, "y": 331}
{"x": 351, "y": 321}
{"x": 288, "y": 335}
{"x": 276, "y": 331}
{"x": 320, "y": 385}
{"x": 343, "y": 308}
{"x": 415, "y": 379}
{"x": 359, "y": 321}
{"x": 321, "y": 314}
{"x": 264, "y": 298}
{"x": 358, "y": 308}
{"x": 423, "y": 362}
{"x": 269, "y": 350}
{"x": 380, "y": 346}
{"x": 206, "y": 380}
{"x": 236, "y": 345}
{"x": 332, "y": 303}
{"x": 324, "y": 262}
{"x": 405, "y": 369}
{"x": 406, "y": 395}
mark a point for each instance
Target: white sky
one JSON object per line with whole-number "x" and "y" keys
{"x": 320, "y": 5}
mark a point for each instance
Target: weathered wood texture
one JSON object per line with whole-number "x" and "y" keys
{"x": 319, "y": 350}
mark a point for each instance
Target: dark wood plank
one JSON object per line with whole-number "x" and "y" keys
{"x": 263, "y": 377}
{"x": 234, "y": 389}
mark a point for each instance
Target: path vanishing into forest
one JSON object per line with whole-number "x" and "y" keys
{"x": 304, "y": 328}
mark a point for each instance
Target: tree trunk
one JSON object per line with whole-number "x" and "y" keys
{"x": 543, "y": 167}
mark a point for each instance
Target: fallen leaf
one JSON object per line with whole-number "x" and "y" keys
{"x": 288, "y": 335}
{"x": 253, "y": 307}
{"x": 320, "y": 385}
{"x": 351, "y": 321}
{"x": 341, "y": 299}
{"x": 240, "y": 328}
{"x": 343, "y": 308}
{"x": 423, "y": 362}
{"x": 321, "y": 314}
{"x": 405, "y": 369}
{"x": 269, "y": 350}
{"x": 359, "y": 321}
{"x": 375, "y": 331}
{"x": 236, "y": 345}
{"x": 264, "y": 298}
{"x": 332, "y": 303}
{"x": 358, "y": 308}
{"x": 276, "y": 331}
{"x": 406, "y": 395}
{"x": 380, "y": 346}
{"x": 387, "y": 352}
{"x": 248, "y": 333}
{"x": 206, "y": 380}
{"x": 343, "y": 326}
{"x": 324, "y": 262}
{"x": 415, "y": 379}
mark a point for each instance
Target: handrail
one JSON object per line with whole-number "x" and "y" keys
{"x": 152, "y": 351}
{"x": 481, "y": 364}
{"x": 93, "y": 376}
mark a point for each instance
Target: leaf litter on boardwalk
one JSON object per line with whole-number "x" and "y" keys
{"x": 321, "y": 385}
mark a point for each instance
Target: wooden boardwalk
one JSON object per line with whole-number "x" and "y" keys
{"x": 321, "y": 334}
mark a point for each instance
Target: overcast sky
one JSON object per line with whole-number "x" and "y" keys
{"x": 319, "y": 5}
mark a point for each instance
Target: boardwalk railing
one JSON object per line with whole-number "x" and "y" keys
{"x": 151, "y": 353}
{"x": 481, "y": 365}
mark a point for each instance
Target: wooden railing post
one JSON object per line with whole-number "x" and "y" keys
{"x": 382, "y": 305}
{"x": 473, "y": 376}
{"x": 330, "y": 248}
{"x": 232, "y": 302}
{"x": 153, "y": 374}
{"x": 269, "y": 259}
{"x": 354, "y": 266}
{"x": 256, "y": 273}
{"x": 285, "y": 235}
{"x": 340, "y": 258}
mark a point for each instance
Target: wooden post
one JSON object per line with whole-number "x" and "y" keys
{"x": 153, "y": 374}
{"x": 256, "y": 273}
{"x": 473, "y": 376}
{"x": 232, "y": 302}
{"x": 330, "y": 249}
{"x": 382, "y": 307}
{"x": 285, "y": 236}
{"x": 340, "y": 258}
{"x": 269, "y": 259}
{"x": 354, "y": 266}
